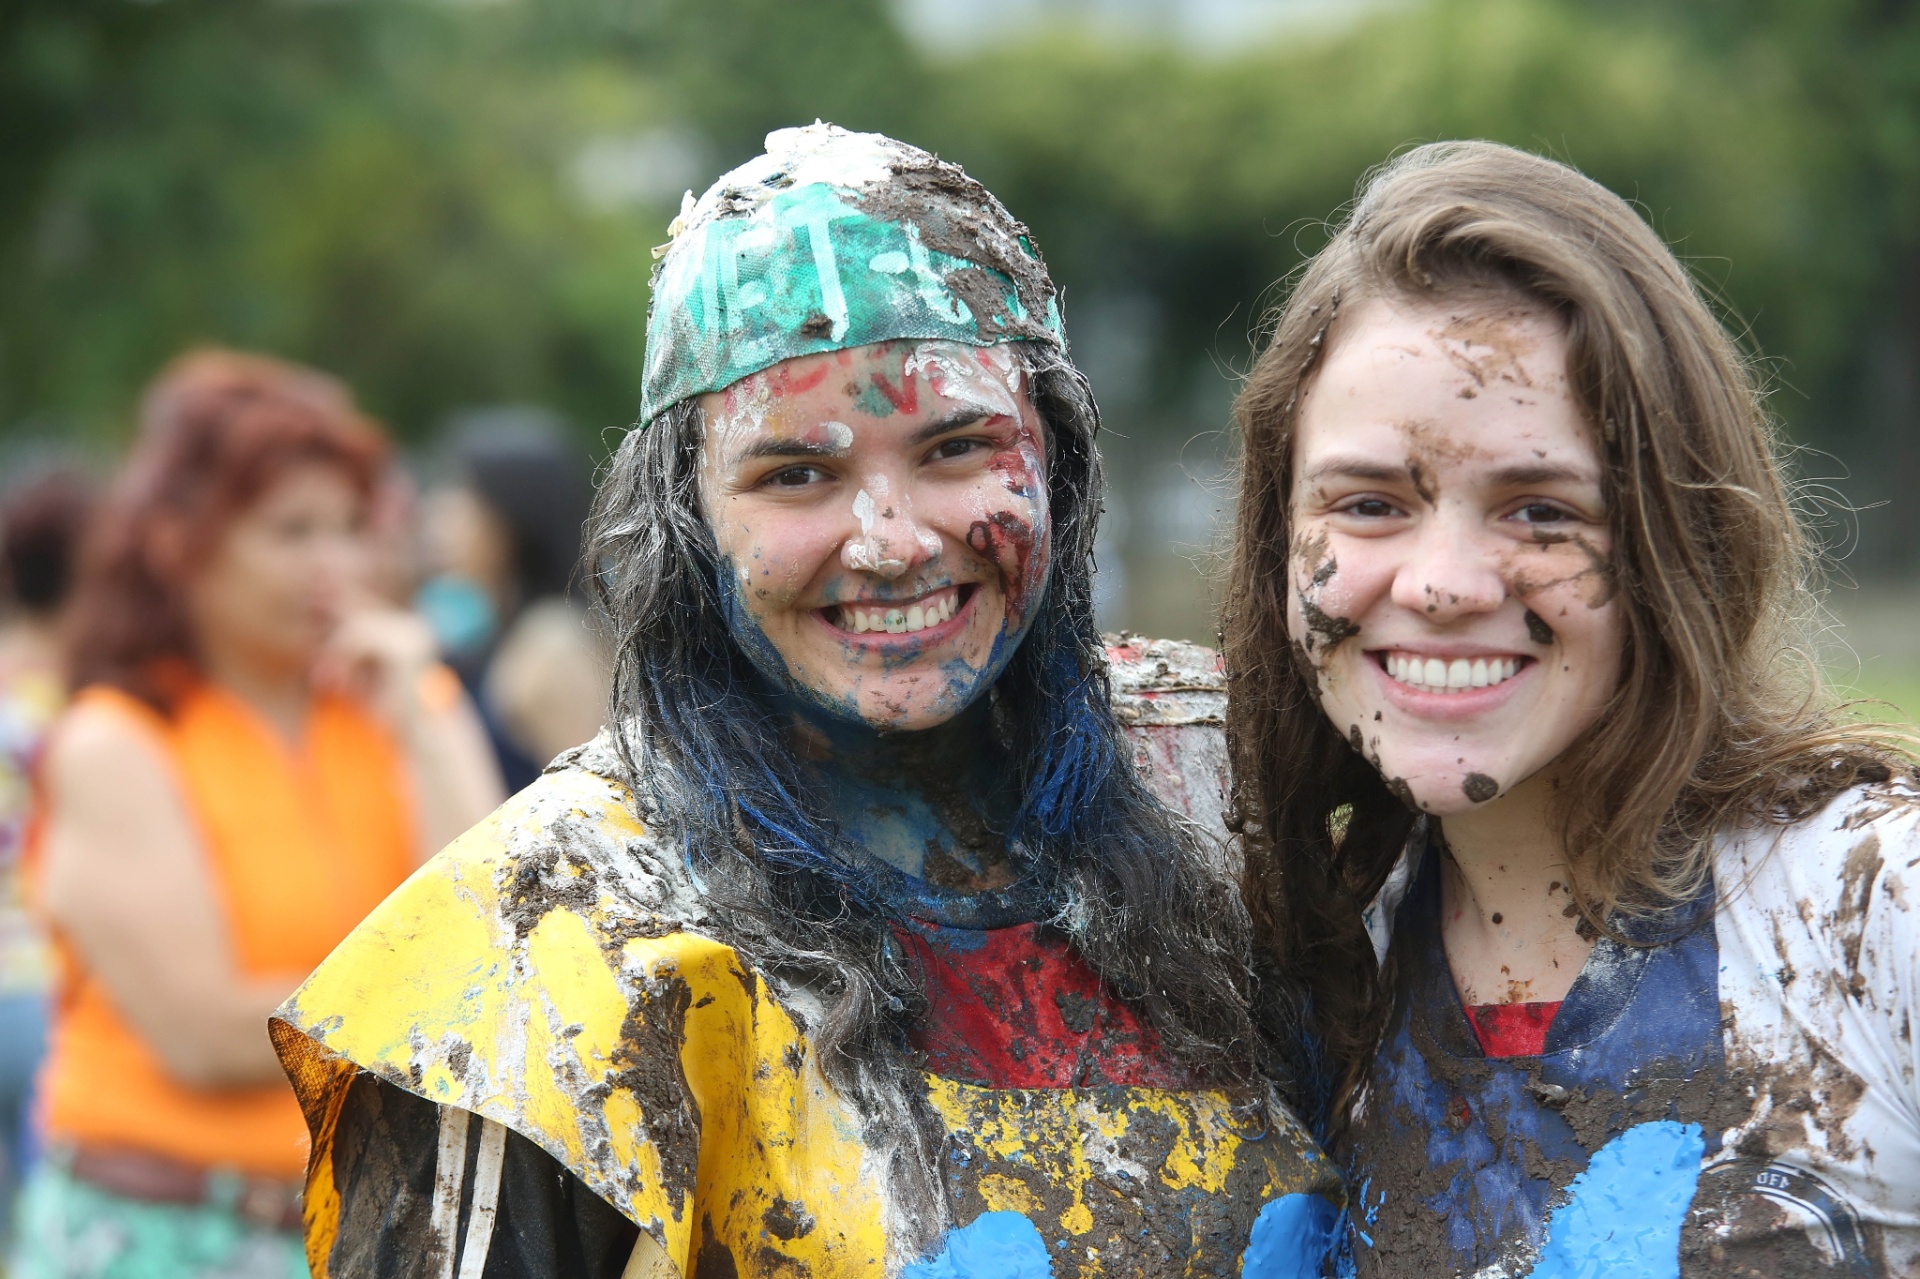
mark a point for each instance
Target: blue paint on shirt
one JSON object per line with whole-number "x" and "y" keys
{"x": 1501, "y": 1152}
{"x": 1627, "y": 1208}
{"x": 996, "y": 1245}
{"x": 1290, "y": 1239}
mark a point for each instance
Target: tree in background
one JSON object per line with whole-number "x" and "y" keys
{"x": 455, "y": 203}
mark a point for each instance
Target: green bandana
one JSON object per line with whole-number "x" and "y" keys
{"x": 833, "y": 240}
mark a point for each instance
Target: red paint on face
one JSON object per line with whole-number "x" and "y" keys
{"x": 786, "y": 380}
{"x": 1007, "y": 540}
{"x": 904, "y": 400}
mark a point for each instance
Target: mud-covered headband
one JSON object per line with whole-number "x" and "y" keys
{"x": 833, "y": 240}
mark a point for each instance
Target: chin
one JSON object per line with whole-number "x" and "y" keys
{"x": 1444, "y": 792}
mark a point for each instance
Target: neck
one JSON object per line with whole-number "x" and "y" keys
{"x": 920, "y": 802}
{"x": 1505, "y": 894}
{"x": 277, "y": 690}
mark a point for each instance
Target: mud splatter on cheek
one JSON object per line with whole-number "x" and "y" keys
{"x": 1537, "y": 629}
{"x": 1318, "y": 629}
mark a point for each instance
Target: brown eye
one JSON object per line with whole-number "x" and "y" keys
{"x": 796, "y": 477}
{"x": 956, "y": 448}
{"x": 1541, "y": 513}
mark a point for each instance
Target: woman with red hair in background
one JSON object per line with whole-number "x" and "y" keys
{"x": 258, "y": 753}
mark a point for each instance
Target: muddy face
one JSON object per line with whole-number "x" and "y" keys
{"x": 882, "y": 516}
{"x": 1452, "y": 588}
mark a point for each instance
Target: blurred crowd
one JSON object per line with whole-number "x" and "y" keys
{"x": 248, "y": 682}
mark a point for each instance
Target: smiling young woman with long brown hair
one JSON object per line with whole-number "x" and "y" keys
{"x": 1603, "y": 905}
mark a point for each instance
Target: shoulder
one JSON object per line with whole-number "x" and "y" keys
{"x": 1165, "y": 682}
{"x": 1838, "y": 861}
{"x": 542, "y": 895}
{"x": 106, "y": 744}
{"x": 571, "y": 844}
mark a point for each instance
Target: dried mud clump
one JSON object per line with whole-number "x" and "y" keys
{"x": 646, "y": 1064}
{"x": 958, "y": 217}
{"x": 550, "y": 877}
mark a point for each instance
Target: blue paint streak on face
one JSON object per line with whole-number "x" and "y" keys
{"x": 745, "y": 631}
{"x": 1627, "y": 1208}
{"x": 1291, "y": 1238}
{"x": 996, "y": 1245}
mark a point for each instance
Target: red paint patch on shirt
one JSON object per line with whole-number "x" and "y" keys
{"x": 1512, "y": 1030}
{"x": 1017, "y": 1008}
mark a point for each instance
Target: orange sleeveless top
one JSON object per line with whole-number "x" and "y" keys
{"x": 299, "y": 846}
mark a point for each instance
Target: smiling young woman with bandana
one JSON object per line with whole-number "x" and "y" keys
{"x": 858, "y": 946}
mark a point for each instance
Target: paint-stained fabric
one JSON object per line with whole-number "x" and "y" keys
{"x": 553, "y": 974}
{"x": 1735, "y": 1095}
{"x": 828, "y": 241}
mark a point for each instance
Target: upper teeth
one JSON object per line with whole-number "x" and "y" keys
{"x": 1436, "y": 675}
{"x": 896, "y": 620}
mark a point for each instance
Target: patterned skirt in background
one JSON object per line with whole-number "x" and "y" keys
{"x": 67, "y": 1229}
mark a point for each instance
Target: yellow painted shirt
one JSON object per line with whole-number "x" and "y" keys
{"x": 551, "y": 972}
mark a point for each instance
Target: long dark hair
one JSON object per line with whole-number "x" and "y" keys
{"x": 709, "y": 756}
{"x": 1713, "y": 721}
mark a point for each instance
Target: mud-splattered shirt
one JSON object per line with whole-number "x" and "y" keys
{"x": 542, "y": 1057}
{"x": 1736, "y": 1095}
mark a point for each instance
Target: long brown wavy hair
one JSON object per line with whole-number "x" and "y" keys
{"x": 1719, "y": 717}
{"x": 217, "y": 428}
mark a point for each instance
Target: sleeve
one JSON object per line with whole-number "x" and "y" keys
{"x": 429, "y": 1191}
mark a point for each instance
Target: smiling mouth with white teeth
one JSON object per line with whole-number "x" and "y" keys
{"x": 1459, "y": 675}
{"x": 898, "y": 618}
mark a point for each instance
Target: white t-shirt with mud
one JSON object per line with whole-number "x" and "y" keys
{"x": 1733, "y": 1097}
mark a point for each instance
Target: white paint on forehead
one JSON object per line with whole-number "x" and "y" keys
{"x": 958, "y": 371}
{"x": 840, "y": 436}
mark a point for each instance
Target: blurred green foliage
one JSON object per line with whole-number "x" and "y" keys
{"x": 403, "y": 191}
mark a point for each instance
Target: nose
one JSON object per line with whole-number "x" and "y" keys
{"x": 1452, "y": 571}
{"x": 886, "y": 538}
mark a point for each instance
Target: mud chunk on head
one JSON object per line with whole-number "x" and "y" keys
{"x": 1479, "y": 788}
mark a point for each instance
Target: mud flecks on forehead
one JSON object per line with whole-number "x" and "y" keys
{"x": 1489, "y": 346}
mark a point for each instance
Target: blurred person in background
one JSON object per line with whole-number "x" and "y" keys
{"x": 259, "y": 750}
{"x": 41, "y": 522}
{"x": 504, "y": 537}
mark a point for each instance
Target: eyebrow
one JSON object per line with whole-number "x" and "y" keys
{"x": 786, "y": 448}
{"x": 1356, "y": 469}
{"x": 953, "y": 419}
{"x": 1541, "y": 473}
{"x": 1506, "y": 476}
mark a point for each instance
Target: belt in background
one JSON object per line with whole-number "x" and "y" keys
{"x": 263, "y": 1202}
